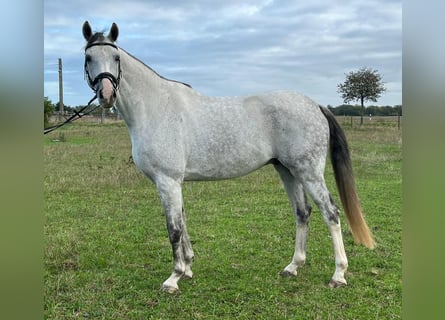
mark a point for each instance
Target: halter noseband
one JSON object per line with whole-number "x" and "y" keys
{"x": 103, "y": 75}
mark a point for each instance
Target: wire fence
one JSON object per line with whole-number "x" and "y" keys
{"x": 99, "y": 117}
{"x": 354, "y": 121}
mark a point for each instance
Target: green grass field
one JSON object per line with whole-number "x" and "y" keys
{"x": 107, "y": 250}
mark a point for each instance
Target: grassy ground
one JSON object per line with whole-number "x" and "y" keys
{"x": 107, "y": 250}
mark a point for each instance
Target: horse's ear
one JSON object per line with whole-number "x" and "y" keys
{"x": 86, "y": 30}
{"x": 114, "y": 32}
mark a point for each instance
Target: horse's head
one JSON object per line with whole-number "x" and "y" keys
{"x": 102, "y": 64}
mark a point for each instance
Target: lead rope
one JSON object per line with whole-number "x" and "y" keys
{"x": 73, "y": 117}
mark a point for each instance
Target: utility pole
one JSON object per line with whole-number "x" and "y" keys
{"x": 60, "y": 89}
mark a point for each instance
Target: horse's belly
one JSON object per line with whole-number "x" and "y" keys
{"x": 225, "y": 163}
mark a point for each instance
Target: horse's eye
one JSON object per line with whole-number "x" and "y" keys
{"x": 87, "y": 58}
{"x": 117, "y": 58}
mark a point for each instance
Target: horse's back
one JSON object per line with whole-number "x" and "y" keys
{"x": 296, "y": 107}
{"x": 297, "y": 124}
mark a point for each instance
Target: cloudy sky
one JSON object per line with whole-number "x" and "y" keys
{"x": 233, "y": 47}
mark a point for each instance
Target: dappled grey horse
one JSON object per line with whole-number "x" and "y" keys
{"x": 180, "y": 135}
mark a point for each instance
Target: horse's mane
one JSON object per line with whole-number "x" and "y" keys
{"x": 151, "y": 69}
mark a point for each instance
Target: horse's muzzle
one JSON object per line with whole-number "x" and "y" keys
{"x": 106, "y": 93}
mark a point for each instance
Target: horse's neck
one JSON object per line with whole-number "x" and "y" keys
{"x": 141, "y": 92}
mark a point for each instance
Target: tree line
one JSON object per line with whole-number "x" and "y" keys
{"x": 356, "y": 111}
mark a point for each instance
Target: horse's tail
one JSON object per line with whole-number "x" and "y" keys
{"x": 341, "y": 163}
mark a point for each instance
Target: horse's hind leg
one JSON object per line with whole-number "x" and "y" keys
{"x": 316, "y": 187}
{"x": 302, "y": 212}
{"x": 187, "y": 249}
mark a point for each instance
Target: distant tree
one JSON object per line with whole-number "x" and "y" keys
{"x": 48, "y": 109}
{"x": 362, "y": 85}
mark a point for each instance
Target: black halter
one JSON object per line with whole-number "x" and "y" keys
{"x": 104, "y": 75}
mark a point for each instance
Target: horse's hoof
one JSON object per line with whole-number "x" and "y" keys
{"x": 336, "y": 284}
{"x": 170, "y": 289}
{"x": 288, "y": 274}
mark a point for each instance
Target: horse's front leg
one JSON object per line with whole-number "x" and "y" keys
{"x": 171, "y": 197}
{"x": 187, "y": 248}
